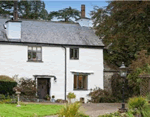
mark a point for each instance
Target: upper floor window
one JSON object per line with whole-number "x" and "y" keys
{"x": 74, "y": 53}
{"x": 80, "y": 82}
{"x": 34, "y": 53}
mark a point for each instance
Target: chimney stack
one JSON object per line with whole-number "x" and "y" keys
{"x": 82, "y": 11}
{"x": 15, "y": 14}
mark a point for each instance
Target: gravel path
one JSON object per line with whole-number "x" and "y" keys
{"x": 94, "y": 110}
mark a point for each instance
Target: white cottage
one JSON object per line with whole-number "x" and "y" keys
{"x": 61, "y": 57}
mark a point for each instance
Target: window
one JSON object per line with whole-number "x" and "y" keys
{"x": 80, "y": 82}
{"x": 34, "y": 53}
{"x": 74, "y": 53}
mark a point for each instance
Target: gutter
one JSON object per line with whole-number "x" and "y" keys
{"x": 65, "y": 73}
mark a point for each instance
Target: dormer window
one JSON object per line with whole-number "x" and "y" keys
{"x": 34, "y": 54}
{"x": 74, "y": 53}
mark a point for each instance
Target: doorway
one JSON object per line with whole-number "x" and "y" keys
{"x": 43, "y": 87}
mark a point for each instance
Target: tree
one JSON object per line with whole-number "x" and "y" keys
{"x": 32, "y": 9}
{"x": 5, "y": 7}
{"x": 125, "y": 25}
{"x": 26, "y": 9}
{"x": 65, "y": 14}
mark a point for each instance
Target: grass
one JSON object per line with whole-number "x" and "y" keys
{"x": 29, "y": 110}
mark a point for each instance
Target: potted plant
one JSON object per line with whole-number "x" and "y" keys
{"x": 53, "y": 98}
{"x": 71, "y": 96}
{"x": 47, "y": 97}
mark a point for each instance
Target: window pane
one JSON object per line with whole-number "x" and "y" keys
{"x": 29, "y": 55}
{"x": 39, "y": 49}
{"x": 80, "y": 82}
{"x": 29, "y": 48}
{"x": 39, "y": 56}
{"x": 71, "y": 53}
{"x": 85, "y": 82}
{"x": 34, "y": 55}
{"x": 34, "y": 48}
{"x": 75, "y": 82}
{"x": 76, "y": 53}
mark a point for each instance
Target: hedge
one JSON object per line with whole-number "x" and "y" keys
{"x": 6, "y": 85}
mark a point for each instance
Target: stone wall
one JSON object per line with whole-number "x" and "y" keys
{"x": 107, "y": 80}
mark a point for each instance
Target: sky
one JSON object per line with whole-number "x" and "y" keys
{"x": 58, "y": 5}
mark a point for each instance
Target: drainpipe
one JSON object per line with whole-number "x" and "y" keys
{"x": 65, "y": 72}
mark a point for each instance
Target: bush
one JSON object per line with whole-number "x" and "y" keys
{"x": 139, "y": 105}
{"x": 70, "y": 110}
{"x": 99, "y": 95}
{"x": 2, "y": 96}
{"x": 26, "y": 87}
{"x": 6, "y": 85}
{"x": 8, "y": 99}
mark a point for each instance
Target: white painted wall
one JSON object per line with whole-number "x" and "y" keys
{"x": 84, "y": 22}
{"x": 13, "y": 30}
{"x": 13, "y": 61}
{"x": 90, "y": 60}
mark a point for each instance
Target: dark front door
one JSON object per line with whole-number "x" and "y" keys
{"x": 43, "y": 87}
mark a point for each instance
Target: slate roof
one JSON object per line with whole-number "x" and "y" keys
{"x": 55, "y": 33}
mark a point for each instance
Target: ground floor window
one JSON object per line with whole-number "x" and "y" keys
{"x": 80, "y": 82}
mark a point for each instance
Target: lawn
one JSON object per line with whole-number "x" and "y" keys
{"x": 29, "y": 110}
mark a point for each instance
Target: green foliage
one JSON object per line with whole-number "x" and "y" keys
{"x": 139, "y": 105}
{"x": 6, "y": 85}
{"x": 148, "y": 96}
{"x": 125, "y": 25}
{"x": 140, "y": 66}
{"x": 7, "y": 99}
{"x": 70, "y": 110}
{"x": 116, "y": 114}
{"x": 116, "y": 85}
{"x": 82, "y": 115}
{"x": 65, "y": 14}
{"x": 136, "y": 102}
{"x": 71, "y": 95}
{"x": 26, "y": 9}
{"x": 2, "y": 96}
{"x": 99, "y": 95}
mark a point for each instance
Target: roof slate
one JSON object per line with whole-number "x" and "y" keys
{"x": 55, "y": 33}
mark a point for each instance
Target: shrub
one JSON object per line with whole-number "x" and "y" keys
{"x": 26, "y": 87}
{"x": 71, "y": 96}
{"x": 70, "y": 110}
{"x": 82, "y": 115}
{"x": 6, "y": 85}
{"x": 99, "y": 95}
{"x": 116, "y": 114}
{"x": 139, "y": 105}
{"x": 2, "y": 96}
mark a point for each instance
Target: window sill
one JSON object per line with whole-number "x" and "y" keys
{"x": 80, "y": 89}
{"x": 74, "y": 59}
{"x": 36, "y": 61}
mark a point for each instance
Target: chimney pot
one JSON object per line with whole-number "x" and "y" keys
{"x": 15, "y": 14}
{"x": 82, "y": 11}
